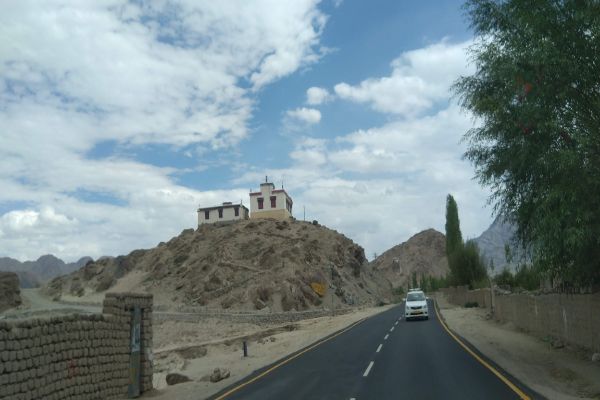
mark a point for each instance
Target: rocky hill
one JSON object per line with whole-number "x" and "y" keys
{"x": 34, "y": 273}
{"x": 424, "y": 253}
{"x": 493, "y": 241}
{"x": 10, "y": 294}
{"x": 247, "y": 265}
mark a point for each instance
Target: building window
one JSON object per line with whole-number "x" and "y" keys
{"x": 260, "y": 203}
{"x": 236, "y": 210}
{"x": 206, "y": 214}
{"x": 220, "y": 213}
{"x": 273, "y": 201}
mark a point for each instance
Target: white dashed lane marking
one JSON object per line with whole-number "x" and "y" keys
{"x": 392, "y": 329}
{"x": 378, "y": 349}
{"x": 386, "y": 336}
{"x": 368, "y": 369}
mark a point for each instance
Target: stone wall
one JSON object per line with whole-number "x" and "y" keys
{"x": 10, "y": 294}
{"x": 249, "y": 317}
{"x": 461, "y": 295}
{"x": 75, "y": 356}
{"x": 572, "y": 319}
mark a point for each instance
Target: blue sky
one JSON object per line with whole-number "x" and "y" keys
{"x": 118, "y": 119}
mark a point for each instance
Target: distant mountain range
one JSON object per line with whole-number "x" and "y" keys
{"x": 34, "y": 273}
{"x": 492, "y": 243}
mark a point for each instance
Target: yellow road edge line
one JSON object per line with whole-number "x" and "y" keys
{"x": 262, "y": 374}
{"x": 504, "y": 379}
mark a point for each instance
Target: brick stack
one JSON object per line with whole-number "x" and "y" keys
{"x": 10, "y": 294}
{"x": 73, "y": 356}
{"x": 121, "y": 305}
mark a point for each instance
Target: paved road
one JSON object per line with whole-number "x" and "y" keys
{"x": 384, "y": 357}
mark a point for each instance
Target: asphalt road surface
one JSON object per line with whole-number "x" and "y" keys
{"x": 383, "y": 357}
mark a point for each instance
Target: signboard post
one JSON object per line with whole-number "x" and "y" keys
{"x": 134, "y": 359}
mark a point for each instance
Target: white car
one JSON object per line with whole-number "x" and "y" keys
{"x": 416, "y": 305}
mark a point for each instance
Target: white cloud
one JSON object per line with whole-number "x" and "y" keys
{"x": 316, "y": 95}
{"x": 419, "y": 79}
{"x": 309, "y": 116}
{"x": 160, "y": 72}
{"x": 75, "y": 74}
{"x": 383, "y": 184}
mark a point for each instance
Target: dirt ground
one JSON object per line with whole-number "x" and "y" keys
{"x": 196, "y": 349}
{"x": 560, "y": 374}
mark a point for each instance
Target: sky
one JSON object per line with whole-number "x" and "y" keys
{"x": 118, "y": 119}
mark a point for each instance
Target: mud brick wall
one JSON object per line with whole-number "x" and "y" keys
{"x": 10, "y": 293}
{"x": 121, "y": 305}
{"x": 574, "y": 319}
{"x": 461, "y": 295}
{"x": 74, "y": 356}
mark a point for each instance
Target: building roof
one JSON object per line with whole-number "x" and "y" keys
{"x": 222, "y": 206}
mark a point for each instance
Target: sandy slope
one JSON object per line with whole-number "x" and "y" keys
{"x": 560, "y": 374}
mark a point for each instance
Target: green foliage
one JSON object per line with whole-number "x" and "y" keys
{"x": 469, "y": 267}
{"x": 536, "y": 90}
{"x": 527, "y": 277}
{"x": 432, "y": 283}
{"x": 414, "y": 280}
{"x": 424, "y": 283}
{"x": 466, "y": 265}
{"x": 505, "y": 278}
{"x": 454, "y": 239}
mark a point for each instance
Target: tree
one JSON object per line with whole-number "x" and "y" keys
{"x": 466, "y": 265}
{"x": 414, "y": 280}
{"x": 454, "y": 239}
{"x": 536, "y": 91}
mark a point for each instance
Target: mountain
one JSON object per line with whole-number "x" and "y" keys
{"x": 246, "y": 265}
{"x": 492, "y": 243}
{"x": 424, "y": 253}
{"x": 34, "y": 273}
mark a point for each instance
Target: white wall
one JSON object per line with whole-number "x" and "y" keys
{"x": 228, "y": 215}
{"x": 266, "y": 193}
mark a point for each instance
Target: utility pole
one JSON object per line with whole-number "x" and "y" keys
{"x": 303, "y": 213}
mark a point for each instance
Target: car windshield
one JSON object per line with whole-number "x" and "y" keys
{"x": 419, "y": 296}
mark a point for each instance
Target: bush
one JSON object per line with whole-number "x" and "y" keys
{"x": 471, "y": 304}
{"x": 528, "y": 277}
{"x": 505, "y": 278}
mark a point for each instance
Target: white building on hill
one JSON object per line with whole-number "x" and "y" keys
{"x": 226, "y": 212}
{"x": 270, "y": 202}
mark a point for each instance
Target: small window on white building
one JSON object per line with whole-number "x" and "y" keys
{"x": 220, "y": 213}
{"x": 260, "y": 203}
{"x": 236, "y": 210}
{"x": 207, "y": 214}
{"x": 273, "y": 201}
